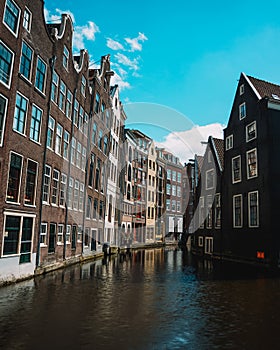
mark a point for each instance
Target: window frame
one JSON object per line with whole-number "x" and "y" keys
{"x": 242, "y": 110}
{"x": 33, "y": 130}
{"x": 20, "y": 110}
{"x": 208, "y": 179}
{"x": 248, "y": 165}
{"x": 17, "y": 201}
{"x": 229, "y": 142}
{"x": 257, "y": 210}
{"x": 33, "y": 204}
{"x": 29, "y": 21}
{"x": 15, "y": 33}
{"x": 3, "y": 118}
{"x": 234, "y": 212}
{"x": 247, "y": 133}
{"x": 26, "y": 59}
{"x": 39, "y": 74}
{"x": 232, "y": 170}
{"x": 10, "y": 65}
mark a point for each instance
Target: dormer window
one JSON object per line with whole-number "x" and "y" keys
{"x": 251, "y": 132}
{"x": 242, "y": 110}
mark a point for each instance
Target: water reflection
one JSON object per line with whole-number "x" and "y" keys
{"x": 149, "y": 299}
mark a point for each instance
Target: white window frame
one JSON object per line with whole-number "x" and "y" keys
{"x": 41, "y": 120}
{"x": 19, "y": 187}
{"x": 11, "y": 66}
{"x": 200, "y": 241}
{"x": 247, "y": 133}
{"x": 60, "y": 228}
{"x": 25, "y": 114}
{"x": 27, "y": 23}
{"x": 247, "y": 164}
{"x": 208, "y": 247}
{"x": 241, "y": 89}
{"x": 68, "y": 234}
{"x": 58, "y": 139}
{"x": 65, "y": 59}
{"x": 4, "y": 119}
{"x": 45, "y": 76}
{"x": 249, "y": 212}
{"x": 208, "y": 173}
{"x": 241, "y": 210}
{"x": 31, "y": 62}
{"x": 48, "y": 175}
{"x": 44, "y": 234}
{"x": 51, "y": 127}
{"x": 18, "y": 18}
{"x": 242, "y": 111}
{"x": 229, "y": 142}
{"x": 232, "y": 170}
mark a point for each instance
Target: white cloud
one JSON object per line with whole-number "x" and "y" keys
{"x": 57, "y": 17}
{"x": 135, "y": 42}
{"x": 123, "y": 59}
{"x": 114, "y": 45}
{"x": 86, "y": 32}
{"x": 185, "y": 144}
{"x": 118, "y": 80}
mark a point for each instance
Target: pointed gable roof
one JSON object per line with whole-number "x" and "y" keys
{"x": 218, "y": 145}
{"x": 263, "y": 88}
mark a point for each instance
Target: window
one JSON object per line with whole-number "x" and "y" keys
{"x": 174, "y": 188}
{"x": 83, "y": 86}
{"x": 70, "y": 193}
{"x": 253, "y": 207}
{"x": 78, "y": 155}
{"x": 54, "y": 91}
{"x": 69, "y": 102}
{"x": 76, "y": 195}
{"x": 12, "y": 16}
{"x": 101, "y": 210}
{"x": 62, "y": 96}
{"x": 40, "y": 75}
{"x": 30, "y": 186}
{"x": 168, "y": 176}
{"x": 173, "y": 205}
{"x": 3, "y": 111}
{"x": 237, "y": 211}
{"x": 178, "y": 191}
{"x": 97, "y": 103}
{"x": 81, "y": 118}
{"x": 83, "y": 162}
{"x": 208, "y": 245}
{"x": 73, "y": 150}
{"x": 105, "y": 141}
{"x": 35, "y": 126}
{"x": 58, "y": 139}
{"x": 20, "y": 114}
{"x": 100, "y": 139}
{"x": 68, "y": 233}
{"x": 89, "y": 207}
{"x": 179, "y": 176}
{"x": 62, "y": 197}
{"x": 252, "y": 167}
{"x": 251, "y": 132}
{"x": 97, "y": 174}
{"x": 81, "y": 197}
{"x": 27, "y": 19}
{"x": 47, "y": 182}
{"x": 168, "y": 188}
{"x": 65, "y": 58}
{"x": 209, "y": 211}
{"x": 55, "y": 187}
{"x": 210, "y": 182}
{"x": 43, "y": 234}
{"x": 6, "y": 64}
{"x": 66, "y": 140}
{"x": 26, "y": 61}
{"x": 76, "y": 112}
{"x": 18, "y": 237}
{"x": 241, "y": 89}
{"x": 200, "y": 241}
{"x": 178, "y": 206}
{"x": 201, "y": 212}
{"x": 14, "y": 178}
{"x": 236, "y": 169}
{"x": 167, "y": 204}
{"x": 60, "y": 229}
{"x": 91, "y": 168}
{"x": 242, "y": 110}
{"x": 218, "y": 210}
{"x": 94, "y": 132}
{"x": 229, "y": 142}
{"x": 107, "y": 118}
{"x": 174, "y": 175}
{"x": 95, "y": 208}
{"x": 51, "y": 124}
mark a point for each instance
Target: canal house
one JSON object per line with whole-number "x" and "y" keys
{"x": 206, "y": 222}
{"x": 251, "y": 188}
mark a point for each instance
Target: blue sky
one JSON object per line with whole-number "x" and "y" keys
{"x": 184, "y": 55}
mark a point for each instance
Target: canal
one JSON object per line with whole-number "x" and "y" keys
{"x": 150, "y": 299}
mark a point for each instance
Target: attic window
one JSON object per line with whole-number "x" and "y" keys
{"x": 241, "y": 89}
{"x": 276, "y": 97}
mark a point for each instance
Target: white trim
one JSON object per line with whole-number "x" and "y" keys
{"x": 247, "y": 165}
{"x": 232, "y": 172}
{"x": 26, "y": 114}
{"x": 247, "y": 126}
{"x": 229, "y": 142}
{"x": 200, "y": 241}
{"x": 45, "y": 77}
{"x": 12, "y": 66}
{"x": 206, "y": 179}
{"x": 251, "y": 85}
{"x": 241, "y": 210}
{"x": 31, "y": 17}
{"x": 31, "y": 65}
{"x": 249, "y": 216}
{"x": 18, "y": 18}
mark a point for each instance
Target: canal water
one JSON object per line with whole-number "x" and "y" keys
{"x": 150, "y": 299}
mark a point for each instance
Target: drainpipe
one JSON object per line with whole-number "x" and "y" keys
{"x": 52, "y": 63}
{"x": 68, "y": 177}
{"x": 87, "y": 163}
